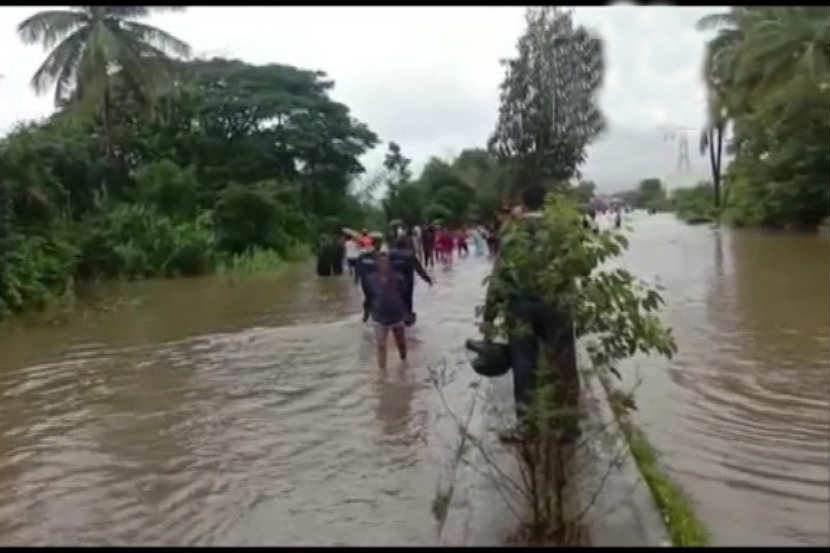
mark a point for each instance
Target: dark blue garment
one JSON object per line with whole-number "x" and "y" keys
{"x": 387, "y": 299}
{"x": 556, "y": 330}
{"x": 367, "y": 264}
{"x": 406, "y": 265}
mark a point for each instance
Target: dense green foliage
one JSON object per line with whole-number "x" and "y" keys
{"x": 473, "y": 187}
{"x": 559, "y": 261}
{"x": 650, "y": 194}
{"x": 208, "y": 163}
{"x": 470, "y": 187}
{"x": 547, "y": 117}
{"x": 767, "y": 72}
{"x": 549, "y": 109}
{"x": 556, "y": 262}
{"x": 694, "y": 205}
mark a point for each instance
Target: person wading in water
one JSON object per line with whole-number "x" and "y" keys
{"x": 406, "y": 264}
{"x": 388, "y": 308}
{"x": 352, "y": 253}
{"x": 429, "y": 246}
{"x": 366, "y": 266}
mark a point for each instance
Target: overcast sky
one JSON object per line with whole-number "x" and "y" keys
{"x": 427, "y": 77}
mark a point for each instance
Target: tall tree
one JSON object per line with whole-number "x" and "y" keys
{"x": 246, "y": 123}
{"x": 403, "y": 199}
{"x": 93, "y": 42}
{"x": 397, "y": 165}
{"x": 767, "y": 74}
{"x": 584, "y": 192}
{"x": 489, "y": 179}
{"x": 549, "y": 112}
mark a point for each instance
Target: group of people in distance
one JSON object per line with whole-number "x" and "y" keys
{"x": 439, "y": 242}
{"x": 596, "y": 221}
{"x": 385, "y": 268}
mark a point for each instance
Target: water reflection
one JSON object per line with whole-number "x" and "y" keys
{"x": 395, "y": 390}
{"x": 719, "y": 271}
{"x": 213, "y": 413}
{"x": 742, "y": 418}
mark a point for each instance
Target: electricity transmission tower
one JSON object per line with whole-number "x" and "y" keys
{"x": 670, "y": 132}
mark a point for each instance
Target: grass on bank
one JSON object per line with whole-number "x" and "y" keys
{"x": 685, "y": 528}
{"x": 258, "y": 260}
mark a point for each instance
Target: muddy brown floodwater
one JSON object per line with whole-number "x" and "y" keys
{"x": 741, "y": 416}
{"x": 211, "y": 414}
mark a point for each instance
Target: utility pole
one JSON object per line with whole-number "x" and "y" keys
{"x": 670, "y": 132}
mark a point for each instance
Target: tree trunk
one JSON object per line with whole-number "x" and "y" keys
{"x": 715, "y": 163}
{"x": 107, "y": 138}
{"x": 718, "y": 159}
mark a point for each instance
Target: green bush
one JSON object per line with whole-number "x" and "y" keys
{"x": 194, "y": 249}
{"x": 695, "y": 205}
{"x": 36, "y": 270}
{"x": 254, "y": 260}
{"x": 171, "y": 189}
{"x": 57, "y": 167}
{"x": 136, "y": 241}
{"x": 263, "y": 215}
{"x": 437, "y": 211}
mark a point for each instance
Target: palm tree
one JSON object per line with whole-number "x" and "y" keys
{"x": 788, "y": 47}
{"x": 711, "y": 141}
{"x": 718, "y": 65}
{"x": 726, "y": 98}
{"x": 759, "y": 59}
{"x": 93, "y": 42}
{"x": 763, "y": 53}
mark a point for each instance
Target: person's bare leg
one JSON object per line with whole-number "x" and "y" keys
{"x": 381, "y": 338}
{"x": 400, "y": 341}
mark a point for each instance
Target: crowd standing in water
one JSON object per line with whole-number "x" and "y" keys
{"x": 384, "y": 266}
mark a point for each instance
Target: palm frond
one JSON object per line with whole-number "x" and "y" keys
{"x": 715, "y": 20}
{"x": 122, "y": 12}
{"x": 156, "y": 37}
{"x": 49, "y": 27}
{"x": 68, "y": 74}
{"x": 67, "y": 53}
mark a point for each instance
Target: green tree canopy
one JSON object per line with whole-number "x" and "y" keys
{"x": 90, "y": 41}
{"x": 549, "y": 112}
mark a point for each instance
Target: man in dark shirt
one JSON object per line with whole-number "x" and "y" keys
{"x": 366, "y": 266}
{"x": 405, "y": 263}
{"x": 549, "y": 328}
{"x": 388, "y": 307}
{"x": 428, "y": 238}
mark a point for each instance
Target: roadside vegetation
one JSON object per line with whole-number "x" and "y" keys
{"x": 155, "y": 164}
{"x": 767, "y": 76}
{"x": 558, "y": 261}
{"x": 685, "y": 528}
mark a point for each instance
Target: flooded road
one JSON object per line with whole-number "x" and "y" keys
{"x": 207, "y": 413}
{"x": 213, "y": 414}
{"x": 741, "y": 414}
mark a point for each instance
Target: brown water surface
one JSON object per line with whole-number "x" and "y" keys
{"x": 741, "y": 414}
{"x": 211, "y": 413}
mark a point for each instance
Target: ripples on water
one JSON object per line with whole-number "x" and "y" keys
{"x": 279, "y": 430}
{"x": 741, "y": 414}
{"x": 255, "y": 414}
